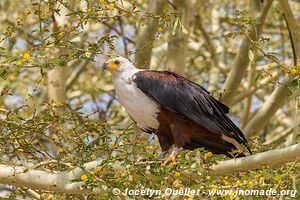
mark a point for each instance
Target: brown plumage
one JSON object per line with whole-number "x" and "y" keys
{"x": 179, "y": 111}
{"x": 189, "y": 117}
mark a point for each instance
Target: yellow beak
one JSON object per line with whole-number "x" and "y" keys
{"x": 110, "y": 66}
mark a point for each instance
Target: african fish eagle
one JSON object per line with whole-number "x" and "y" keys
{"x": 180, "y": 112}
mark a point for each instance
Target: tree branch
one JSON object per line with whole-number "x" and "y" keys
{"x": 75, "y": 74}
{"x": 178, "y": 40}
{"x": 241, "y": 61}
{"x": 65, "y": 182}
{"x": 146, "y": 35}
{"x": 280, "y": 94}
{"x": 266, "y": 111}
{"x": 266, "y": 159}
{"x": 39, "y": 180}
{"x": 210, "y": 45}
{"x": 293, "y": 29}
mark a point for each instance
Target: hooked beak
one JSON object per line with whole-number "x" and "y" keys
{"x": 104, "y": 67}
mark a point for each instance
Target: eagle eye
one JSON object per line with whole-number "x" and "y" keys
{"x": 117, "y": 62}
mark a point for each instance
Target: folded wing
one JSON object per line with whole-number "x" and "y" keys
{"x": 189, "y": 99}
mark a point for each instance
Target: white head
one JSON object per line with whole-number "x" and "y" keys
{"x": 118, "y": 65}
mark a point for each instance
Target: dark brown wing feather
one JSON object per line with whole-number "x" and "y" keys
{"x": 189, "y": 99}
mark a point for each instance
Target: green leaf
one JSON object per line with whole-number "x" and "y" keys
{"x": 184, "y": 30}
{"x": 258, "y": 77}
{"x": 251, "y": 56}
{"x": 175, "y": 26}
{"x": 3, "y": 73}
{"x": 42, "y": 52}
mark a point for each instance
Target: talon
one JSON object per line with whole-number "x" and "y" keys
{"x": 175, "y": 151}
{"x": 143, "y": 160}
{"x": 167, "y": 161}
{"x": 161, "y": 156}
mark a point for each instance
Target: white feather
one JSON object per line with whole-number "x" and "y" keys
{"x": 139, "y": 106}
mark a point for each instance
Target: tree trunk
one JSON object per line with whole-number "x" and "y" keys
{"x": 146, "y": 35}
{"x": 177, "y": 41}
{"x": 241, "y": 61}
{"x": 281, "y": 93}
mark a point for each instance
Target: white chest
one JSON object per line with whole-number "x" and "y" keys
{"x": 139, "y": 106}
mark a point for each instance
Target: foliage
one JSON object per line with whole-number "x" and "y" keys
{"x": 90, "y": 124}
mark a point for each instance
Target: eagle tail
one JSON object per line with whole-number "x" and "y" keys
{"x": 215, "y": 146}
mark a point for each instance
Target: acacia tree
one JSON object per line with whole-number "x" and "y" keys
{"x": 64, "y": 134}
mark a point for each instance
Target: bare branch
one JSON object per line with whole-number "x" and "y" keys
{"x": 277, "y": 135}
{"x": 50, "y": 181}
{"x": 293, "y": 29}
{"x": 32, "y": 193}
{"x": 177, "y": 44}
{"x": 280, "y": 94}
{"x": 241, "y": 62}
{"x": 146, "y": 34}
{"x": 210, "y": 45}
{"x": 66, "y": 181}
{"x": 266, "y": 159}
{"x": 266, "y": 111}
{"x": 75, "y": 74}
{"x": 37, "y": 179}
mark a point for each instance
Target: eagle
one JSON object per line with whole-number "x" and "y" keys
{"x": 180, "y": 112}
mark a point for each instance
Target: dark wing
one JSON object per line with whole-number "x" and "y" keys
{"x": 189, "y": 99}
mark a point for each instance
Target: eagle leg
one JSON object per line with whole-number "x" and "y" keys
{"x": 165, "y": 143}
{"x": 161, "y": 156}
{"x": 180, "y": 132}
{"x": 175, "y": 151}
{"x": 180, "y": 136}
{"x": 173, "y": 154}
